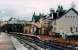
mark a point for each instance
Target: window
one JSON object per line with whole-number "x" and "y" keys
{"x": 71, "y": 29}
{"x": 68, "y": 16}
{"x": 65, "y": 16}
{"x": 71, "y": 16}
{"x": 76, "y": 17}
{"x": 55, "y": 23}
{"x": 76, "y": 29}
{"x": 54, "y": 28}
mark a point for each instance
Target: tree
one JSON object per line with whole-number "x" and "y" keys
{"x": 60, "y": 10}
{"x": 36, "y": 18}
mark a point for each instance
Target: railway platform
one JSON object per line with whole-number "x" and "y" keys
{"x": 8, "y": 42}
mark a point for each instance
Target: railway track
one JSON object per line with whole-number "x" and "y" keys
{"x": 51, "y": 45}
{"x": 27, "y": 43}
{"x": 44, "y": 45}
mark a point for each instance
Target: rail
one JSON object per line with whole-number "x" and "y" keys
{"x": 44, "y": 45}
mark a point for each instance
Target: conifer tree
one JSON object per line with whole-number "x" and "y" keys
{"x": 60, "y": 10}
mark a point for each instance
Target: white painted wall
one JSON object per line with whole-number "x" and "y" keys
{"x": 64, "y": 23}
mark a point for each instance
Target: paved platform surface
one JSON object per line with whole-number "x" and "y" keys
{"x": 5, "y": 42}
{"x": 8, "y": 42}
{"x": 17, "y": 44}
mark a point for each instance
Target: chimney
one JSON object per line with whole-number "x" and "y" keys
{"x": 51, "y": 12}
{"x": 57, "y": 14}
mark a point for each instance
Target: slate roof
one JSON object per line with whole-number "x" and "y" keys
{"x": 68, "y": 11}
{"x": 73, "y": 10}
{"x": 61, "y": 14}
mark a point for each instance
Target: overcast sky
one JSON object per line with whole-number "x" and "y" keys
{"x": 27, "y": 7}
